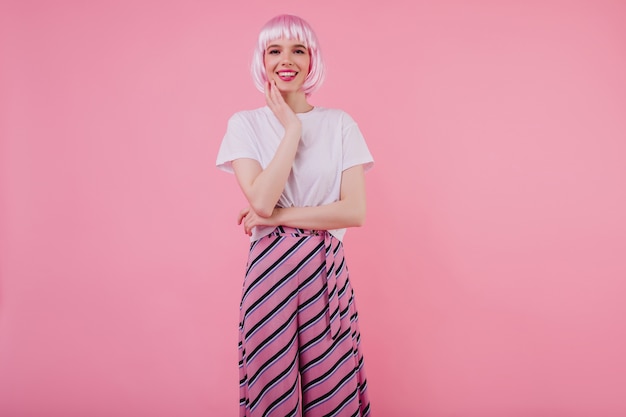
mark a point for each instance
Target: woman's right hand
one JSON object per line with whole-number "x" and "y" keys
{"x": 249, "y": 219}
{"x": 263, "y": 186}
{"x": 281, "y": 109}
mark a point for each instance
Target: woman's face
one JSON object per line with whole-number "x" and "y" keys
{"x": 287, "y": 61}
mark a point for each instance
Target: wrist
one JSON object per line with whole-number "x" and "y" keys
{"x": 294, "y": 127}
{"x": 277, "y": 215}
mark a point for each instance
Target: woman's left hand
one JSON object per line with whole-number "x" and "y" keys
{"x": 249, "y": 219}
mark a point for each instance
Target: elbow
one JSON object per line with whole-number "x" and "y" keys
{"x": 354, "y": 212}
{"x": 261, "y": 205}
{"x": 358, "y": 216}
{"x": 263, "y": 210}
{"x": 359, "y": 221}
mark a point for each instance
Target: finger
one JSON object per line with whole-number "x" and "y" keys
{"x": 243, "y": 213}
{"x": 249, "y": 225}
{"x": 273, "y": 90}
{"x": 270, "y": 97}
{"x": 281, "y": 103}
{"x": 268, "y": 92}
{"x": 277, "y": 96}
{"x": 273, "y": 102}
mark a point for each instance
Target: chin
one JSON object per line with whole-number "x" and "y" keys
{"x": 289, "y": 88}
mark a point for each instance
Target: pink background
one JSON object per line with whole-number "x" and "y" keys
{"x": 491, "y": 273}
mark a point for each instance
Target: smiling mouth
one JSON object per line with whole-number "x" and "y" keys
{"x": 287, "y": 75}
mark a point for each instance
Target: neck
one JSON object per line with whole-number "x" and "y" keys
{"x": 297, "y": 101}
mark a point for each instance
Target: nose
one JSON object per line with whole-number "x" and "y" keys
{"x": 286, "y": 61}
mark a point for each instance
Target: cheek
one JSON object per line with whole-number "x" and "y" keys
{"x": 268, "y": 63}
{"x": 307, "y": 64}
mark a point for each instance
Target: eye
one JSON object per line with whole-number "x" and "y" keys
{"x": 273, "y": 52}
{"x": 300, "y": 51}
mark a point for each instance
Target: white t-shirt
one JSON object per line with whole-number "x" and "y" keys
{"x": 331, "y": 142}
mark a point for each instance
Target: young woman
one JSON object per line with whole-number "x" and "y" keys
{"x": 301, "y": 169}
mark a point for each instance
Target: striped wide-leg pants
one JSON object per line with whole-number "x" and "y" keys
{"x": 298, "y": 332}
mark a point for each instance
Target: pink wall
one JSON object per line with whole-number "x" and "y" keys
{"x": 491, "y": 273}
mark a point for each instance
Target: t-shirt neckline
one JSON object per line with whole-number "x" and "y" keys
{"x": 304, "y": 114}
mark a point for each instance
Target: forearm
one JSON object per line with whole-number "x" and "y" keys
{"x": 264, "y": 187}
{"x": 348, "y": 211}
{"x": 270, "y": 183}
{"x": 337, "y": 215}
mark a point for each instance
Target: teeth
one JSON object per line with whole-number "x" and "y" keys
{"x": 287, "y": 74}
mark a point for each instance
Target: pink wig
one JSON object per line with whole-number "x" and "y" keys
{"x": 288, "y": 27}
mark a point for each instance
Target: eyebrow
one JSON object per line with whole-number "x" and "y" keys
{"x": 279, "y": 46}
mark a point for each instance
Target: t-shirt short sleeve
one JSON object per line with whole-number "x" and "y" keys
{"x": 237, "y": 143}
{"x": 355, "y": 150}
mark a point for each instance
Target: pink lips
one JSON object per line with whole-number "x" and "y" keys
{"x": 286, "y": 75}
